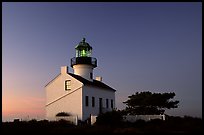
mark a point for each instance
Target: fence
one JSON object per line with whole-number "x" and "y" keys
{"x": 133, "y": 118}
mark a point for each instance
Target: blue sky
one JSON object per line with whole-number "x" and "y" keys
{"x": 139, "y": 47}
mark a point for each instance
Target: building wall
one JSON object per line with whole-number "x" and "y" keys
{"x": 73, "y": 101}
{"x": 70, "y": 104}
{"x": 60, "y": 100}
{"x": 56, "y": 88}
{"x": 97, "y": 93}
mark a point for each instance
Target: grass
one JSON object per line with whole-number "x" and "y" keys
{"x": 170, "y": 125}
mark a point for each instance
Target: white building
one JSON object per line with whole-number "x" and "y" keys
{"x": 78, "y": 93}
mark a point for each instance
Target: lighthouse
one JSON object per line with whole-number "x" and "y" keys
{"x": 83, "y": 64}
{"x": 78, "y": 94}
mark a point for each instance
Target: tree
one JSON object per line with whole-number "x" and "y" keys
{"x": 147, "y": 103}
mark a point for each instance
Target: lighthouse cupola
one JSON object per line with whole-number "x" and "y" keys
{"x": 83, "y": 49}
{"x": 83, "y": 64}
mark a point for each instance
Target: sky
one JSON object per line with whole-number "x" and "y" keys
{"x": 153, "y": 47}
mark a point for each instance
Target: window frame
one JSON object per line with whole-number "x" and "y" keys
{"x": 68, "y": 85}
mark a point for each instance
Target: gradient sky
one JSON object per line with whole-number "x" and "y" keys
{"x": 139, "y": 47}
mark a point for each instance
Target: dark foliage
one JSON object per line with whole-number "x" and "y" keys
{"x": 172, "y": 124}
{"x": 112, "y": 118}
{"x": 147, "y": 103}
{"x": 34, "y": 126}
{"x": 63, "y": 114}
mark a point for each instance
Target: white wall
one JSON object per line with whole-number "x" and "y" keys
{"x": 97, "y": 93}
{"x": 56, "y": 88}
{"x": 83, "y": 70}
{"x": 60, "y": 100}
{"x": 70, "y": 104}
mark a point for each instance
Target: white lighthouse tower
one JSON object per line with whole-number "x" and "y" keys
{"x": 83, "y": 64}
{"x": 78, "y": 94}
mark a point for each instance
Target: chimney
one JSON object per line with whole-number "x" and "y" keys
{"x": 99, "y": 78}
{"x": 64, "y": 70}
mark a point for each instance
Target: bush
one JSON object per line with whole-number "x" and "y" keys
{"x": 110, "y": 118}
{"x": 139, "y": 123}
{"x": 63, "y": 114}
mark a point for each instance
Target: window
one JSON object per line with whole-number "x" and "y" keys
{"x": 107, "y": 103}
{"x": 93, "y": 101}
{"x": 111, "y": 103}
{"x": 100, "y": 105}
{"x": 91, "y": 75}
{"x": 87, "y": 101}
{"x": 68, "y": 85}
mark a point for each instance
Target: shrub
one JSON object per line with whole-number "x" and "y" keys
{"x": 63, "y": 114}
{"x": 110, "y": 118}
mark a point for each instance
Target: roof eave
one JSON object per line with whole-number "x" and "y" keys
{"x": 52, "y": 80}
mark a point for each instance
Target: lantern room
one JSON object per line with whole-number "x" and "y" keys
{"x": 83, "y": 49}
{"x": 83, "y": 55}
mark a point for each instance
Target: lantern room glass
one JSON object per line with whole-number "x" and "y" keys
{"x": 83, "y": 49}
{"x": 83, "y": 53}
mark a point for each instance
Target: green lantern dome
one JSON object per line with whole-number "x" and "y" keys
{"x": 83, "y": 49}
{"x": 83, "y": 55}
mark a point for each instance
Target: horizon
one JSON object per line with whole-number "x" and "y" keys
{"x": 154, "y": 47}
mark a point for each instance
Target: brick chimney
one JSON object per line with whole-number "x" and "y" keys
{"x": 64, "y": 70}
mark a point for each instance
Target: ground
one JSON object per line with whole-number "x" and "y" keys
{"x": 171, "y": 125}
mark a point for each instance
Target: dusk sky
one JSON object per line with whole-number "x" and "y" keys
{"x": 153, "y": 47}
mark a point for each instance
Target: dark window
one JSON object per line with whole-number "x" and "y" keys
{"x": 93, "y": 101}
{"x": 107, "y": 103}
{"x": 87, "y": 101}
{"x": 91, "y": 75}
{"x": 100, "y": 105}
{"x": 111, "y": 103}
{"x": 68, "y": 85}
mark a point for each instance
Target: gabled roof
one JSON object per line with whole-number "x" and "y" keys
{"x": 94, "y": 83}
{"x": 86, "y": 82}
{"x": 52, "y": 80}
